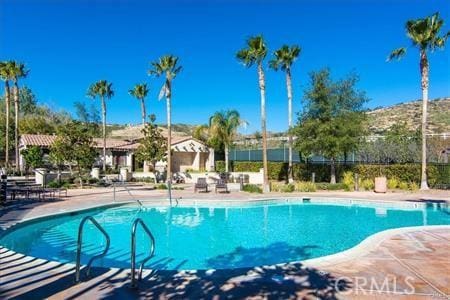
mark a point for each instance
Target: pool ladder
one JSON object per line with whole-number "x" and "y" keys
{"x": 137, "y": 222}
{"x": 79, "y": 245}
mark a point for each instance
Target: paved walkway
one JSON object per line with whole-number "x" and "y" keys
{"x": 407, "y": 264}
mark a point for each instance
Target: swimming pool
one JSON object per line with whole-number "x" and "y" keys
{"x": 221, "y": 236}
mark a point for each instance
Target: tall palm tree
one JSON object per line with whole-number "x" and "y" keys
{"x": 167, "y": 66}
{"x": 17, "y": 71}
{"x": 103, "y": 90}
{"x": 5, "y": 75}
{"x": 424, "y": 34}
{"x": 223, "y": 126}
{"x": 254, "y": 53}
{"x": 283, "y": 59}
{"x": 140, "y": 91}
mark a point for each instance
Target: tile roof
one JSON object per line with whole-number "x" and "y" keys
{"x": 44, "y": 140}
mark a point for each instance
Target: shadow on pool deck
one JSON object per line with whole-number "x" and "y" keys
{"x": 27, "y": 278}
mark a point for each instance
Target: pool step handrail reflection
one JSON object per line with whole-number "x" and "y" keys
{"x": 79, "y": 246}
{"x": 133, "y": 250}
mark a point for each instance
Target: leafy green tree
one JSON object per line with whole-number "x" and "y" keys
{"x": 167, "y": 66}
{"x": 33, "y": 156}
{"x": 74, "y": 146}
{"x": 140, "y": 91}
{"x": 283, "y": 59}
{"x": 154, "y": 145}
{"x": 103, "y": 90}
{"x": 223, "y": 127}
{"x": 424, "y": 34}
{"x": 255, "y": 53}
{"x": 28, "y": 102}
{"x": 90, "y": 117}
{"x": 333, "y": 120}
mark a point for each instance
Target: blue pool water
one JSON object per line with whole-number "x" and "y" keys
{"x": 219, "y": 237}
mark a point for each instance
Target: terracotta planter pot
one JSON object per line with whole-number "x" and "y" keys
{"x": 380, "y": 184}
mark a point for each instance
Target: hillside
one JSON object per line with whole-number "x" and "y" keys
{"x": 411, "y": 114}
{"x": 135, "y": 131}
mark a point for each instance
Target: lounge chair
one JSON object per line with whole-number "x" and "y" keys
{"x": 201, "y": 185}
{"x": 222, "y": 184}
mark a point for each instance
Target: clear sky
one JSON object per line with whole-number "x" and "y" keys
{"x": 67, "y": 45}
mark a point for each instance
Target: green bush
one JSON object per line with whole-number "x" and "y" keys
{"x": 220, "y": 166}
{"x": 252, "y": 188}
{"x": 437, "y": 174}
{"x": 92, "y": 180}
{"x": 368, "y": 184}
{"x": 392, "y": 183}
{"x": 305, "y": 186}
{"x": 330, "y": 186}
{"x": 348, "y": 181}
{"x": 54, "y": 184}
{"x": 403, "y": 185}
{"x": 413, "y": 186}
{"x": 161, "y": 186}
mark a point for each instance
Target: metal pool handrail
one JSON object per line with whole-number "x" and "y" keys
{"x": 133, "y": 250}
{"x": 79, "y": 244}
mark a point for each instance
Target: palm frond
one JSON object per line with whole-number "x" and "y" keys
{"x": 397, "y": 54}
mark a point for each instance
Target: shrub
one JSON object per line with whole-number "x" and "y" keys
{"x": 330, "y": 186}
{"x": 305, "y": 186}
{"x": 348, "y": 181}
{"x": 220, "y": 166}
{"x": 413, "y": 186}
{"x": 392, "y": 183}
{"x": 54, "y": 184}
{"x": 92, "y": 180}
{"x": 161, "y": 186}
{"x": 368, "y": 184}
{"x": 403, "y": 185}
{"x": 252, "y": 188}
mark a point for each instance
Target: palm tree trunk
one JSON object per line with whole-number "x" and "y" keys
{"x": 169, "y": 137}
{"x": 7, "y": 102}
{"x": 289, "y": 94}
{"x": 143, "y": 111}
{"x": 424, "y": 69}
{"x": 16, "y": 124}
{"x": 262, "y": 90}
{"x": 226, "y": 159}
{"x": 104, "y": 132}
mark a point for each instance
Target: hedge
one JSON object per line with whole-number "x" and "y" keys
{"x": 437, "y": 174}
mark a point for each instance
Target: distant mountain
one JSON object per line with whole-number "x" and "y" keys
{"x": 410, "y": 113}
{"x": 135, "y": 131}
{"x": 380, "y": 119}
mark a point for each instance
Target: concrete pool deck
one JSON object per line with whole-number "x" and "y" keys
{"x": 412, "y": 263}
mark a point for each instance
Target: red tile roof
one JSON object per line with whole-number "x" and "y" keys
{"x": 44, "y": 140}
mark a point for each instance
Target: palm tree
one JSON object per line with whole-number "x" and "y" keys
{"x": 223, "y": 127}
{"x": 5, "y": 75}
{"x": 254, "y": 53}
{"x": 140, "y": 91}
{"x": 103, "y": 90}
{"x": 424, "y": 34}
{"x": 17, "y": 71}
{"x": 283, "y": 59}
{"x": 167, "y": 66}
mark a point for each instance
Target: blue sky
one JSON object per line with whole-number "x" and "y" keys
{"x": 70, "y": 44}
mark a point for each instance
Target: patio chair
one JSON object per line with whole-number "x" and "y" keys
{"x": 201, "y": 185}
{"x": 222, "y": 184}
